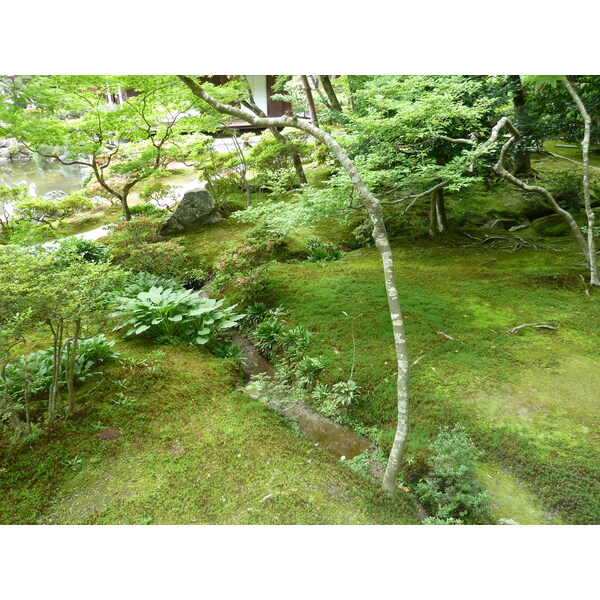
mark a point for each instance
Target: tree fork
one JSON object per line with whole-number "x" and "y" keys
{"x": 382, "y": 244}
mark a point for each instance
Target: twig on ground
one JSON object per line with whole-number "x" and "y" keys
{"x": 537, "y": 325}
{"x": 448, "y": 337}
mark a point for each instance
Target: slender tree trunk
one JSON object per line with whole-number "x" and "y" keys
{"x": 438, "y": 222}
{"x": 310, "y": 100}
{"x": 351, "y": 91}
{"x": 433, "y": 217}
{"x": 442, "y": 219}
{"x": 27, "y": 411}
{"x": 331, "y": 95}
{"x": 522, "y": 164}
{"x": 247, "y": 188}
{"x": 585, "y": 149}
{"x": 54, "y": 394}
{"x": 382, "y": 243}
{"x": 125, "y": 205}
{"x": 70, "y": 363}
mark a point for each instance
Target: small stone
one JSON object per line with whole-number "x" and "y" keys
{"x": 507, "y": 522}
{"x": 343, "y": 458}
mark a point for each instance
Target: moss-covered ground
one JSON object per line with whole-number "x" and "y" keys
{"x": 529, "y": 399}
{"x": 192, "y": 450}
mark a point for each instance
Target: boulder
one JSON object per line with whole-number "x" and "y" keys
{"x": 195, "y": 210}
{"x": 55, "y": 195}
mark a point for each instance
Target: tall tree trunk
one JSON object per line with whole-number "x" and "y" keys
{"x": 333, "y": 99}
{"x": 433, "y": 218}
{"x": 351, "y": 90}
{"x": 522, "y": 164}
{"x": 585, "y": 149}
{"x": 125, "y": 205}
{"x": 70, "y": 363}
{"x": 244, "y": 170}
{"x": 382, "y": 244}
{"x": 442, "y": 218}
{"x": 54, "y": 394}
{"x": 438, "y": 221}
{"x": 310, "y": 100}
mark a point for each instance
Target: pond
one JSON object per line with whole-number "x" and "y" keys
{"x": 41, "y": 178}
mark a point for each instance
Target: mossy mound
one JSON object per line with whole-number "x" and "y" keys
{"x": 551, "y": 226}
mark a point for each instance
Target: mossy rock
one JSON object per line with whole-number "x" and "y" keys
{"x": 551, "y": 226}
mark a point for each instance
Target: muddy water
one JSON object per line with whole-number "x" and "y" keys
{"x": 335, "y": 438}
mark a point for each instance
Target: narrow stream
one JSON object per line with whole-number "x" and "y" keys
{"x": 341, "y": 441}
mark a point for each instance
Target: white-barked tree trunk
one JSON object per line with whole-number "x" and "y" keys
{"x": 382, "y": 243}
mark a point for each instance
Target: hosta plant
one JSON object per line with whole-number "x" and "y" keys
{"x": 175, "y": 315}
{"x": 346, "y": 392}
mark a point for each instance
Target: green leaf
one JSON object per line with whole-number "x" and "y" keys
{"x": 141, "y": 329}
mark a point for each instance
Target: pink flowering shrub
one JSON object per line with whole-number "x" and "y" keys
{"x": 245, "y": 268}
{"x": 140, "y": 230}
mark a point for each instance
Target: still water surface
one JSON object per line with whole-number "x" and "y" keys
{"x": 43, "y": 178}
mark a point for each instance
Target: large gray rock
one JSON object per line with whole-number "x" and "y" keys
{"x": 195, "y": 210}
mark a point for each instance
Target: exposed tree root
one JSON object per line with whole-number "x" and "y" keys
{"x": 537, "y": 325}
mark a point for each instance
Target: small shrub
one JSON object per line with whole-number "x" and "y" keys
{"x": 124, "y": 401}
{"x": 77, "y": 249}
{"x": 164, "y": 259}
{"x": 195, "y": 278}
{"x": 318, "y": 251}
{"x": 450, "y": 490}
{"x": 30, "y": 375}
{"x": 147, "y": 210}
{"x": 74, "y": 463}
{"x": 138, "y": 231}
{"x": 321, "y": 392}
{"x": 26, "y": 233}
{"x": 274, "y": 391}
{"x": 438, "y": 521}
{"x": 175, "y": 316}
{"x": 567, "y": 188}
{"x": 242, "y": 264}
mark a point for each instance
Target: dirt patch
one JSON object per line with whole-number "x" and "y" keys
{"x": 110, "y": 433}
{"x": 176, "y": 449}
